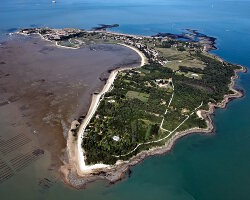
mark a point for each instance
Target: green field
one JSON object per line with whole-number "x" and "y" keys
{"x": 137, "y": 95}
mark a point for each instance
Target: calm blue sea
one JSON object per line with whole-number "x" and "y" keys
{"x": 200, "y": 167}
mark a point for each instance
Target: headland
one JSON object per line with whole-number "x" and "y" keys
{"x": 142, "y": 111}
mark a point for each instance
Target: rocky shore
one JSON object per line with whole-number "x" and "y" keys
{"x": 191, "y": 35}
{"x": 122, "y": 168}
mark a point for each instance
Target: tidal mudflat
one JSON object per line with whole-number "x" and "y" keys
{"x": 42, "y": 89}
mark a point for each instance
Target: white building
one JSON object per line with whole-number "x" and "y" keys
{"x": 116, "y": 138}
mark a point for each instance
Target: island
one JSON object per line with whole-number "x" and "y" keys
{"x": 142, "y": 111}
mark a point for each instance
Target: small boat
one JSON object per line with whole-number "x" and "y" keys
{"x": 53, "y": 1}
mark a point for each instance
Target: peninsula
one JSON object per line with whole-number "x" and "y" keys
{"x": 142, "y": 111}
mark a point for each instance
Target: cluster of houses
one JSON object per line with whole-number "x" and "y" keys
{"x": 52, "y": 34}
{"x": 136, "y": 41}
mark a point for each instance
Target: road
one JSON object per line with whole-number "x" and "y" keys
{"x": 159, "y": 140}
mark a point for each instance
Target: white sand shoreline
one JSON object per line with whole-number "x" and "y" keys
{"x": 82, "y": 168}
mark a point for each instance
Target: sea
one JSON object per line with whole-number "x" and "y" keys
{"x": 200, "y": 166}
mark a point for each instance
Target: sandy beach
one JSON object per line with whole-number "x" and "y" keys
{"x": 74, "y": 149}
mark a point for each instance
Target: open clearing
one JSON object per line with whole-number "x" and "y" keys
{"x": 137, "y": 95}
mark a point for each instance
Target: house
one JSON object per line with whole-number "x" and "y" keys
{"x": 116, "y": 138}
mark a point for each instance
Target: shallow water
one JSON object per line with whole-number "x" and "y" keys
{"x": 212, "y": 166}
